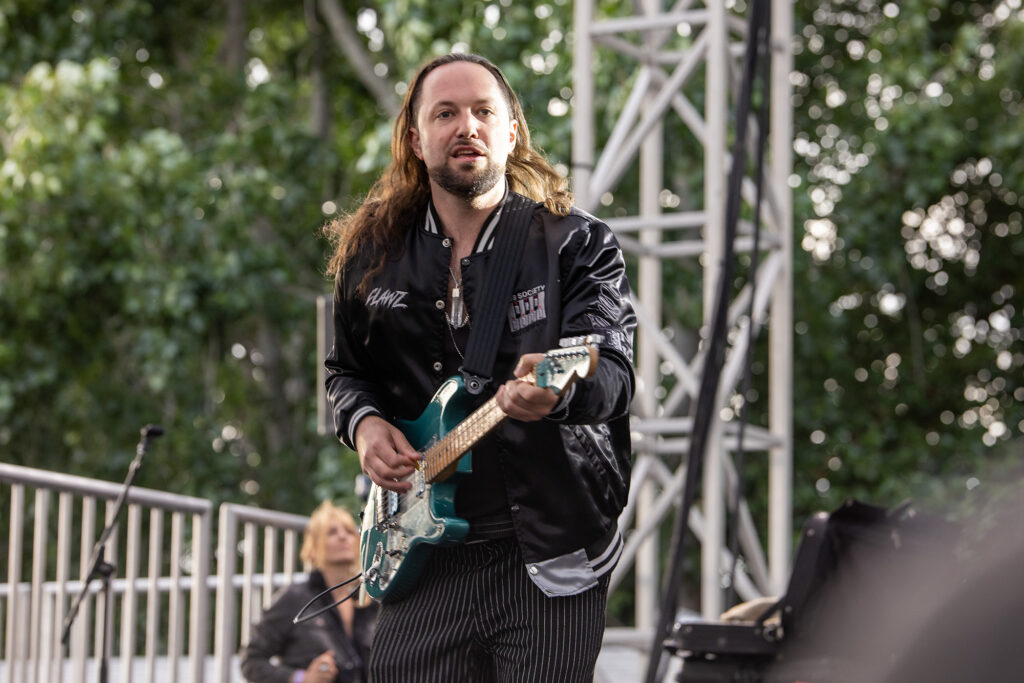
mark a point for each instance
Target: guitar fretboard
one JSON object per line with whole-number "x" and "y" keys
{"x": 464, "y": 436}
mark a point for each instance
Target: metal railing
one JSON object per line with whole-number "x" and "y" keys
{"x": 163, "y": 580}
{"x": 33, "y": 650}
{"x": 168, "y": 596}
{"x": 257, "y": 582}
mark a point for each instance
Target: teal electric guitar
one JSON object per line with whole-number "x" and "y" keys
{"x": 400, "y": 529}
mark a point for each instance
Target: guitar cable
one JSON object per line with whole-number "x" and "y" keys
{"x": 300, "y": 619}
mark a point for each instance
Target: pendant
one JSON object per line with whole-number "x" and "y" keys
{"x": 458, "y": 309}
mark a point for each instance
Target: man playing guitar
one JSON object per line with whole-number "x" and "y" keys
{"x": 514, "y": 585}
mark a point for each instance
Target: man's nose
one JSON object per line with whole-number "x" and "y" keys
{"x": 468, "y": 125}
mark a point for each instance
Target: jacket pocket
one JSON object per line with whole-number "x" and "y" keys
{"x": 589, "y": 448}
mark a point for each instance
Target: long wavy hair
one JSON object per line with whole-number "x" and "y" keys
{"x": 400, "y": 195}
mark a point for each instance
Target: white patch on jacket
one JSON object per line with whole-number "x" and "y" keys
{"x": 386, "y": 298}
{"x": 527, "y": 308}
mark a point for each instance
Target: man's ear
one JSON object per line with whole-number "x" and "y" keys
{"x": 414, "y": 142}
{"x": 513, "y": 134}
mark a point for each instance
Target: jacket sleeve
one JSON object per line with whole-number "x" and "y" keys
{"x": 595, "y": 300}
{"x": 349, "y": 390}
{"x": 269, "y": 639}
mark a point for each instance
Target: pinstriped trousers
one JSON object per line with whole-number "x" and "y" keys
{"x": 475, "y": 617}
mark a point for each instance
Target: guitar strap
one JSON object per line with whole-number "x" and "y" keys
{"x": 496, "y": 290}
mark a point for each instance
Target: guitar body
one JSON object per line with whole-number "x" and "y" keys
{"x": 399, "y": 530}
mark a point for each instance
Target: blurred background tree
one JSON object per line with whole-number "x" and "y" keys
{"x": 909, "y": 210}
{"x": 166, "y": 168}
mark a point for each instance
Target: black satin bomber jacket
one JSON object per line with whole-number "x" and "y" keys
{"x": 566, "y": 476}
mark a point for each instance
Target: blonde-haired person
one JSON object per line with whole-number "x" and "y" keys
{"x": 332, "y": 647}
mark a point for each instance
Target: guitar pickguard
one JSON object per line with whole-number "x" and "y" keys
{"x": 397, "y": 529}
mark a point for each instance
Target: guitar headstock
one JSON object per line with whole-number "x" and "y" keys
{"x": 561, "y": 367}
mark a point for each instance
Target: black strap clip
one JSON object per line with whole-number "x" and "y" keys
{"x": 474, "y": 383}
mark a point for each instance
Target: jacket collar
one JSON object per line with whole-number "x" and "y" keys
{"x": 485, "y": 239}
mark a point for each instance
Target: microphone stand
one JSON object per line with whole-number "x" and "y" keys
{"x": 98, "y": 566}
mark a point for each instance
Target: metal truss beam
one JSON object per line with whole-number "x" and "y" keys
{"x": 692, "y": 52}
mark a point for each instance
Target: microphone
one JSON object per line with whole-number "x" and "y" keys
{"x": 98, "y": 566}
{"x": 150, "y": 431}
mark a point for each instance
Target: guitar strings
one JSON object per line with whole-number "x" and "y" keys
{"x": 454, "y": 443}
{"x": 451, "y": 445}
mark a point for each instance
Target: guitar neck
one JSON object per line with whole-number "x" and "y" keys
{"x": 464, "y": 436}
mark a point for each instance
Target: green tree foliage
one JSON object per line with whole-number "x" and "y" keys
{"x": 908, "y": 343}
{"x": 166, "y": 167}
{"x": 159, "y": 213}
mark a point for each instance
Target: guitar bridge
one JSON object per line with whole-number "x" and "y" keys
{"x": 386, "y": 526}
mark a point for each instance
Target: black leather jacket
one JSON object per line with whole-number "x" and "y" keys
{"x": 278, "y": 648}
{"x": 566, "y": 477}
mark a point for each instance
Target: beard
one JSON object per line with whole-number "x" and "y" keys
{"x": 467, "y": 186}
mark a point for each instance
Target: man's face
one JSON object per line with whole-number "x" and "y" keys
{"x": 463, "y": 132}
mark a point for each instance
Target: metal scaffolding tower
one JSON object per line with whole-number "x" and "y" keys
{"x": 692, "y": 52}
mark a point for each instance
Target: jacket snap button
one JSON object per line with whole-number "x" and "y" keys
{"x": 465, "y": 261}
{"x": 439, "y": 304}
{"x": 437, "y": 366}
{"x": 447, "y": 242}
{"x": 514, "y": 508}
{"x": 533, "y": 569}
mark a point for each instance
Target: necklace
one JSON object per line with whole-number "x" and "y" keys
{"x": 455, "y": 344}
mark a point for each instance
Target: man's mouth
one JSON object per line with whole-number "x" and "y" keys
{"x": 466, "y": 153}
